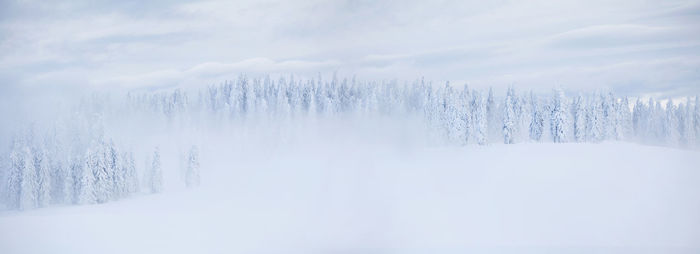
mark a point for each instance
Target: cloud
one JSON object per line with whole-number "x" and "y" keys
{"x": 536, "y": 45}
{"x": 214, "y": 72}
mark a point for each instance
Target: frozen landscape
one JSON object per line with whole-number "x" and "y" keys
{"x": 523, "y": 198}
{"x": 265, "y": 166}
{"x": 350, "y": 126}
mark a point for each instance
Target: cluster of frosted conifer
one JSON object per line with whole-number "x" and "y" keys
{"x": 458, "y": 114}
{"x": 45, "y": 171}
{"x": 75, "y": 163}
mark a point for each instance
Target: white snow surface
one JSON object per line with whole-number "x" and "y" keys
{"x": 343, "y": 195}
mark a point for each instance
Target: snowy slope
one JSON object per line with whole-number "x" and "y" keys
{"x": 372, "y": 198}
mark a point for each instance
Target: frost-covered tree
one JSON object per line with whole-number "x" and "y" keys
{"x": 121, "y": 183}
{"x": 696, "y": 120}
{"x": 639, "y": 119}
{"x": 579, "y": 113}
{"x": 192, "y": 172}
{"x": 509, "y": 117}
{"x": 493, "y": 124}
{"x": 559, "y": 120}
{"x": 102, "y": 169}
{"x": 670, "y": 125}
{"x": 86, "y": 184}
{"x": 132, "y": 180}
{"x": 594, "y": 113}
{"x": 608, "y": 116}
{"x": 41, "y": 163}
{"x": 70, "y": 178}
{"x": 685, "y": 130}
{"x": 480, "y": 118}
{"x": 156, "y": 173}
{"x": 537, "y": 118}
{"x": 114, "y": 171}
{"x": 28, "y": 181}
{"x": 14, "y": 178}
{"x": 625, "y": 117}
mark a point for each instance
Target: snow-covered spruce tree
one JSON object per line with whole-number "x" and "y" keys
{"x": 192, "y": 172}
{"x": 494, "y": 125}
{"x": 639, "y": 119}
{"x": 28, "y": 181}
{"x": 579, "y": 113}
{"x": 132, "y": 179}
{"x": 103, "y": 175}
{"x": 156, "y": 175}
{"x": 537, "y": 121}
{"x": 14, "y": 177}
{"x": 114, "y": 170}
{"x": 41, "y": 163}
{"x": 608, "y": 116}
{"x": 120, "y": 181}
{"x": 509, "y": 117}
{"x": 70, "y": 178}
{"x": 658, "y": 121}
{"x": 594, "y": 115}
{"x": 559, "y": 120}
{"x": 696, "y": 119}
{"x": 670, "y": 125}
{"x": 464, "y": 116}
{"x": 480, "y": 118}
{"x": 684, "y": 124}
{"x": 524, "y": 117}
{"x": 626, "y": 118}
{"x": 86, "y": 183}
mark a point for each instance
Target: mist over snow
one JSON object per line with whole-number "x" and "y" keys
{"x": 349, "y": 127}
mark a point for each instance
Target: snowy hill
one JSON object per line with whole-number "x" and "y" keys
{"x": 356, "y": 197}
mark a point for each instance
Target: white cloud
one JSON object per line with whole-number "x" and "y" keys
{"x": 534, "y": 44}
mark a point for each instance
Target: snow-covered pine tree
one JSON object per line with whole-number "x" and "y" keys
{"x": 14, "y": 178}
{"x": 41, "y": 163}
{"x": 509, "y": 117}
{"x": 537, "y": 121}
{"x": 524, "y": 117}
{"x": 626, "y": 118}
{"x": 114, "y": 170}
{"x": 132, "y": 179}
{"x": 120, "y": 182}
{"x": 28, "y": 181}
{"x": 658, "y": 120}
{"x": 70, "y": 178}
{"x": 639, "y": 120}
{"x": 464, "y": 116}
{"x": 682, "y": 114}
{"x": 559, "y": 120}
{"x": 156, "y": 175}
{"x": 192, "y": 177}
{"x": 480, "y": 118}
{"x": 689, "y": 129}
{"x": 608, "y": 116}
{"x": 86, "y": 184}
{"x": 103, "y": 175}
{"x": 594, "y": 131}
{"x": 696, "y": 119}
{"x": 617, "y": 119}
{"x": 579, "y": 113}
{"x": 670, "y": 126}
{"x": 494, "y": 126}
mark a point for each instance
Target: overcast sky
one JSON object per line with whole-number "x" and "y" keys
{"x": 634, "y": 47}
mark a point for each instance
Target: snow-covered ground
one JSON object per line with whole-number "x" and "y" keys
{"x": 364, "y": 197}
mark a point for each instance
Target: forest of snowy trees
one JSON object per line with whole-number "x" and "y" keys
{"x": 459, "y": 114}
{"x": 75, "y": 161}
